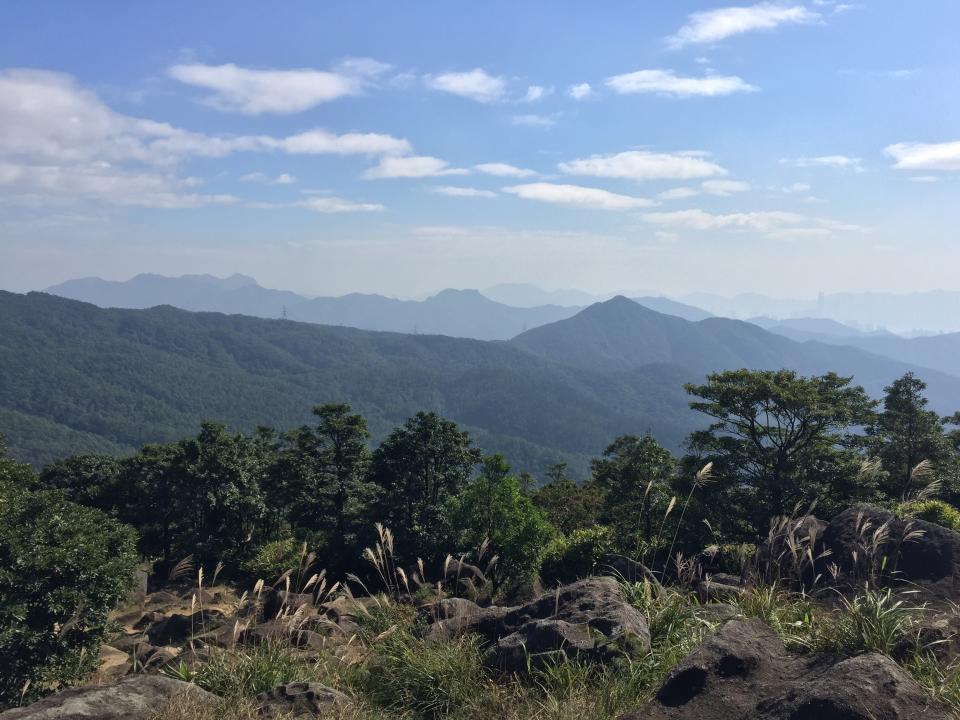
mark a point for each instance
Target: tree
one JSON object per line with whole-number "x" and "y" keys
{"x": 569, "y": 506}
{"x": 336, "y": 457}
{"x": 494, "y": 508}
{"x": 92, "y": 480}
{"x": 906, "y": 433}
{"x": 418, "y": 468}
{"x": 13, "y": 473}
{"x": 63, "y": 568}
{"x": 779, "y": 439}
{"x": 635, "y": 475}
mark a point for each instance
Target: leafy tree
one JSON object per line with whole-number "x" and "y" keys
{"x": 493, "y": 507}
{"x": 92, "y": 480}
{"x": 63, "y": 567}
{"x": 334, "y": 456}
{"x": 12, "y": 473}
{"x": 418, "y": 468}
{"x": 777, "y": 440}
{"x": 906, "y": 433}
{"x": 635, "y": 475}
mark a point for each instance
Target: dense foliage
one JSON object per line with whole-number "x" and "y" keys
{"x": 63, "y": 567}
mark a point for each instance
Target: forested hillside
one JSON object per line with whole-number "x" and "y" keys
{"x": 74, "y": 377}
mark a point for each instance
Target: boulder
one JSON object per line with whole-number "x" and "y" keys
{"x": 299, "y": 700}
{"x": 483, "y": 621}
{"x": 449, "y": 608}
{"x": 589, "y": 619}
{"x": 176, "y": 629}
{"x": 463, "y": 578}
{"x": 276, "y": 602}
{"x": 930, "y": 559}
{"x": 113, "y": 665}
{"x": 136, "y": 697}
{"x": 743, "y": 672}
{"x": 624, "y": 567}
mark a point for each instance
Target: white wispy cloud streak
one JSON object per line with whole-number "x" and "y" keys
{"x": 337, "y": 205}
{"x": 259, "y": 177}
{"x": 503, "y": 170}
{"x": 841, "y": 162}
{"x": 711, "y": 26}
{"x": 255, "y": 92}
{"x": 667, "y": 82}
{"x": 534, "y": 120}
{"x": 925, "y": 156}
{"x": 724, "y": 188}
{"x": 476, "y": 84}
{"x": 580, "y": 91}
{"x": 763, "y": 221}
{"x": 414, "y": 166}
{"x": 644, "y": 165}
{"x": 577, "y": 196}
{"x": 456, "y": 191}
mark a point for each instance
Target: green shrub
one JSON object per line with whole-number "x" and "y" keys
{"x": 244, "y": 672}
{"x": 570, "y": 557}
{"x": 874, "y": 621}
{"x": 63, "y": 567}
{"x": 934, "y": 511}
{"x": 274, "y": 559}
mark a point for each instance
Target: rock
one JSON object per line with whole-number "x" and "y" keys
{"x": 449, "y": 608}
{"x": 540, "y": 643}
{"x": 623, "y": 567}
{"x": 712, "y": 589}
{"x": 300, "y": 699}
{"x": 484, "y": 621}
{"x": 276, "y": 602}
{"x": 114, "y": 664}
{"x": 716, "y": 613}
{"x": 463, "y": 578}
{"x": 743, "y": 672}
{"x": 595, "y": 604}
{"x": 137, "y": 697}
{"x": 281, "y": 631}
{"x": 162, "y": 599}
{"x": 930, "y": 559}
{"x": 176, "y": 629}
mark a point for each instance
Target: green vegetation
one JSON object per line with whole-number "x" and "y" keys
{"x": 63, "y": 567}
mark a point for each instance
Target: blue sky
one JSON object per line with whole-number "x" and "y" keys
{"x": 783, "y": 148}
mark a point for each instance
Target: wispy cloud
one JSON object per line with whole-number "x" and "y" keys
{"x": 255, "y": 92}
{"x": 476, "y": 84}
{"x": 535, "y": 93}
{"x": 679, "y": 193}
{"x": 711, "y": 26}
{"x": 667, "y": 82}
{"x": 259, "y": 177}
{"x": 696, "y": 219}
{"x": 414, "y": 166}
{"x": 503, "y": 170}
{"x": 925, "y": 156}
{"x": 724, "y": 188}
{"x": 338, "y": 205}
{"x": 577, "y": 196}
{"x": 580, "y": 91}
{"x": 533, "y": 120}
{"x": 841, "y": 162}
{"x": 455, "y": 191}
{"x": 645, "y": 165}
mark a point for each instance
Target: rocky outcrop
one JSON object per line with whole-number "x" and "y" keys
{"x": 918, "y": 552}
{"x": 300, "y": 700}
{"x": 589, "y": 619}
{"x": 137, "y": 697}
{"x": 743, "y": 672}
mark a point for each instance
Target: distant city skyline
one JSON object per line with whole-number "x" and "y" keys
{"x": 783, "y": 148}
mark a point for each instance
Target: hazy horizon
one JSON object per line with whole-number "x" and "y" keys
{"x": 784, "y": 149}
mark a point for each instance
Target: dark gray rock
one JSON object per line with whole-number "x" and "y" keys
{"x": 136, "y": 697}
{"x": 177, "y": 629}
{"x": 300, "y": 699}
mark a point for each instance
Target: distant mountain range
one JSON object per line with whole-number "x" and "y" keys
{"x": 457, "y": 313}
{"x": 74, "y": 377}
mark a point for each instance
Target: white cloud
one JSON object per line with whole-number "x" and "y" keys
{"x": 321, "y": 142}
{"x": 532, "y": 120}
{"x": 796, "y": 187}
{"x": 577, "y": 196}
{"x": 414, "y": 166}
{"x": 476, "y": 84}
{"x": 644, "y": 165}
{"x": 925, "y": 156}
{"x": 711, "y": 26}
{"x": 254, "y": 92}
{"x": 842, "y": 162}
{"x": 724, "y": 188}
{"x": 453, "y": 191}
{"x": 764, "y": 221}
{"x": 666, "y": 82}
{"x": 536, "y": 92}
{"x": 678, "y": 193}
{"x": 923, "y": 178}
{"x": 337, "y": 205}
{"x": 579, "y": 92}
{"x": 259, "y": 177}
{"x": 503, "y": 170}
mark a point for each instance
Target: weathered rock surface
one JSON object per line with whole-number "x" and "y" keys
{"x": 743, "y": 672}
{"x": 137, "y": 697}
{"x": 589, "y": 619}
{"x": 930, "y": 559}
{"x": 300, "y": 699}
